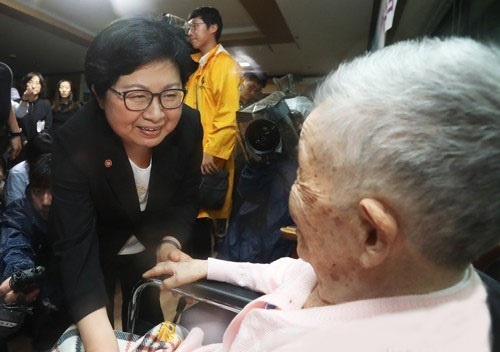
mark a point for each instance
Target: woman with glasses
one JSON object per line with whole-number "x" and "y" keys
{"x": 34, "y": 111}
{"x": 126, "y": 173}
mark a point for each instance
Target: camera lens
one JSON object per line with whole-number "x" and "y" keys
{"x": 262, "y": 136}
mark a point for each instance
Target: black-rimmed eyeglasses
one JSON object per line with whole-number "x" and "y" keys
{"x": 138, "y": 99}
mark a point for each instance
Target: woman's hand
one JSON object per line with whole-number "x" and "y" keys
{"x": 10, "y": 296}
{"x": 179, "y": 272}
{"x": 169, "y": 249}
{"x": 28, "y": 94}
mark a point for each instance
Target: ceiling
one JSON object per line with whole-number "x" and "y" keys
{"x": 307, "y": 38}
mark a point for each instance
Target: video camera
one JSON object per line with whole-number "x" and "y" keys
{"x": 12, "y": 315}
{"x": 27, "y": 280}
{"x": 268, "y": 127}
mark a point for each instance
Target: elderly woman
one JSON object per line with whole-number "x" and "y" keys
{"x": 125, "y": 172}
{"x": 397, "y": 193}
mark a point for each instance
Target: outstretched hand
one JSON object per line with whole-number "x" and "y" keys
{"x": 179, "y": 272}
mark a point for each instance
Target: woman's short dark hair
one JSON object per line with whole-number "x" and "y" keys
{"x": 126, "y": 44}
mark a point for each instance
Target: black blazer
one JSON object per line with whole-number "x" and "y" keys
{"x": 95, "y": 207}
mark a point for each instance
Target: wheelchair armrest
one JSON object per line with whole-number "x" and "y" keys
{"x": 221, "y": 294}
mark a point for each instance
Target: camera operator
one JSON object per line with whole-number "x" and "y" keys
{"x": 24, "y": 245}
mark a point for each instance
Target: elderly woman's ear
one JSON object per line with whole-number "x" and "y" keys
{"x": 380, "y": 231}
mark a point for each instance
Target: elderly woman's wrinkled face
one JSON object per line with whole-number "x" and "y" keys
{"x": 147, "y": 127}
{"x": 318, "y": 207}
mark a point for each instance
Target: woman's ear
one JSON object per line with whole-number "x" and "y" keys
{"x": 99, "y": 100}
{"x": 381, "y": 231}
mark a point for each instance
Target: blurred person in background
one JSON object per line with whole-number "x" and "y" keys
{"x": 63, "y": 104}
{"x": 251, "y": 89}
{"x": 213, "y": 91}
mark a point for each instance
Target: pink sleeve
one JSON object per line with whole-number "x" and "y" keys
{"x": 258, "y": 277}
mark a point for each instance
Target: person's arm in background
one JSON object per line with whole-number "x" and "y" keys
{"x": 14, "y": 136}
{"x": 16, "y": 249}
{"x": 22, "y": 109}
{"x": 222, "y": 138}
{"x": 16, "y": 183}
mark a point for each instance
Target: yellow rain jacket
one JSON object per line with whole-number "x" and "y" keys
{"x": 213, "y": 89}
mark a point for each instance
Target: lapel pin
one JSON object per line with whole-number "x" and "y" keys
{"x": 108, "y": 163}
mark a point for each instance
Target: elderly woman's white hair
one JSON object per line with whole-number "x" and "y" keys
{"x": 419, "y": 122}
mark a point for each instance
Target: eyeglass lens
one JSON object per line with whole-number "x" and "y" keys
{"x": 192, "y": 26}
{"x": 141, "y": 99}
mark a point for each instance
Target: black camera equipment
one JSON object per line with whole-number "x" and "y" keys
{"x": 27, "y": 280}
{"x": 262, "y": 136}
{"x": 12, "y": 315}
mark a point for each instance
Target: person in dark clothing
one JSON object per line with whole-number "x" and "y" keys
{"x": 126, "y": 172}
{"x": 63, "y": 105}
{"x": 253, "y": 233}
{"x": 10, "y": 133}
{"x": 24, "y": 245}
{"x": 34, "y": 112}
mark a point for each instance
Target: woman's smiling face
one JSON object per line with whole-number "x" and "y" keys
{"x": 146, "y": 128}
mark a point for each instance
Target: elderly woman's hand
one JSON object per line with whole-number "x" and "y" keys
{"x": 179, "y": 272}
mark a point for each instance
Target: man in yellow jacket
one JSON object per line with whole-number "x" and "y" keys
{"x": 214, "y": 90}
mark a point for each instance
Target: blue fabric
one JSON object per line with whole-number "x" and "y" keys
{"x": 253, "y": 233}
{"x": 23, "y": 237}
{"x": 16, "y": 182}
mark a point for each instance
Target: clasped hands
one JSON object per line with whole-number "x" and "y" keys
{"x": 178, "y": 267}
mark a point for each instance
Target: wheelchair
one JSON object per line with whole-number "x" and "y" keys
{"x": 220, "y": 294}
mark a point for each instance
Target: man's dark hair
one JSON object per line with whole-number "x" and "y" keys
{"x": 126, "y": 44}
{"x": 39, "y": 174}
{"x": 259, "y": 79}
{"x": 210, "y": 15}
{"x": 38, "y": 145}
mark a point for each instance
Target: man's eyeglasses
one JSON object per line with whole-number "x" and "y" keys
{"x": 193, "y": 25}
{"x": 137, "y": 99}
